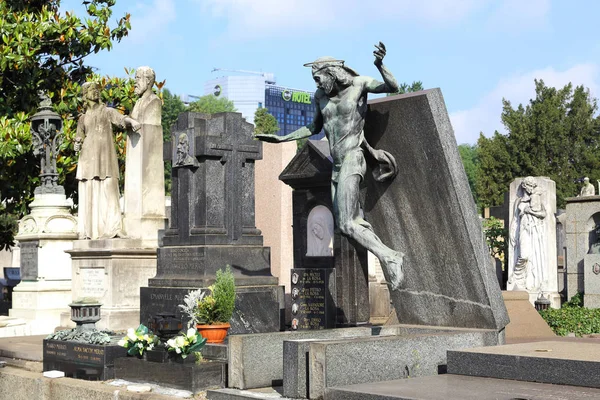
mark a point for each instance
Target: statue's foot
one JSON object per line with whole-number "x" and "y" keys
{"x": 394, "y": 266}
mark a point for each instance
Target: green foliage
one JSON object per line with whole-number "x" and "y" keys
{"x": 496, "y": 237}
{"x": 42, "y": 50}
{"x": 555, "y": 135}
{"x": 470, "y": 160}
{"x": 210, "y": 104}
{"x": 265, "y": 123}
{"x": 406, "y": 88}
{"x": 300, "y": 144}
{"x": 573, "y": 318}
{"x": 8, "y": 229}
{"x": 219, "y": 305}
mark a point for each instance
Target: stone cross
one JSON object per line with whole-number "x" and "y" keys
{"x": 213, "y": 194}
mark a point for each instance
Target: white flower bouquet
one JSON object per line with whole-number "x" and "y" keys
{"x": 139, "y": 340}
{"x": 186, "y": 343}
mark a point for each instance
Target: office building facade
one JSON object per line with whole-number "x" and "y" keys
{"x": 292, "y": 108}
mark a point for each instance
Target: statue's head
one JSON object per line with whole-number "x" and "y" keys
{"x": 327, "y": 71}
{"x": 529, "y": 184}
{"x": 90, "y": 91}
{"x": 183, "y": 145}
{"x": 144, "y": 79}
{"x": 586, "y": 180}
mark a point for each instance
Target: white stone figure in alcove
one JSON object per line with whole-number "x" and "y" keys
{"x": 319, "y": 231}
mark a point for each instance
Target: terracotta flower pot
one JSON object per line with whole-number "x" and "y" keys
{"x": 213, "y": 333}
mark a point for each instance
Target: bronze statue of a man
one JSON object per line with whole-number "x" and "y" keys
{"x": 341, "y": 107}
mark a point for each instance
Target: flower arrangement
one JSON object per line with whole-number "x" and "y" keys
{"x": 139, "y": 340}
{"x": 186, "y": 343}
{"x": 218, "y": 306}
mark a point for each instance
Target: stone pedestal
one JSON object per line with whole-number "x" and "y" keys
{"x": 45, "y": 289}
{"x": 546, "y": 235}
{"x": 112, "y": 271}
{"x": 212, "y": 224}
{"x": 583, "y": 214}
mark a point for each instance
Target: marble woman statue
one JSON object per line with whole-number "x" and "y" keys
{"x": 97, "y": 168}
{"x": 528, "y": 238}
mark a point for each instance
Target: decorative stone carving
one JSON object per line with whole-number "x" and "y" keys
{"x": 320, "y": 233}
{"x": 588, "y": 189}
{"x": 184, "y": 159}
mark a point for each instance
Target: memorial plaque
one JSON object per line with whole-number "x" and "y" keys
{"x": 29, "y": 260}
{"x": 82, "y": 360}
{"x": 93, "y": 282}
{"x": 313, "y": 294}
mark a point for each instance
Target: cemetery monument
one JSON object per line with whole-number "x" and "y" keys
{"x": 44, "y": 235}
{"x": 588, "y": 189}
{"x": 116, "y": 255}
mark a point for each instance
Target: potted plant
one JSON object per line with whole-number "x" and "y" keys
{"x": 214, "y": 311}
{"x": 138, "y": 341}
{"x": 184, "y": 344}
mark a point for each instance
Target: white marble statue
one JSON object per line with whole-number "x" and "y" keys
{"x": 528, "y": 238}
{"x": 588, "y": 189}
{"x": 319, "y": 241}
{"x": 144, "y": 166}
{"x": 97, "y": 168}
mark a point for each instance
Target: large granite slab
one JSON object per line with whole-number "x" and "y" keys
{"x": 375, "y": 359}
{"x": 560, "y": 363}
{"x": 456, "y": 387}
{"x": 256, "y": 360}
{"x": 428, "y": 213}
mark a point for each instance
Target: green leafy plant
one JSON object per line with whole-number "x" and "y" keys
{"x": 496, "y": 237}
{"x": 139, "y": 340}
{"x": 573, "y": 318}
{"x": 218, "y": 306}
{"x": 186, "y": 343}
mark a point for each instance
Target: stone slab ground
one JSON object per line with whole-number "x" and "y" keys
{"x": 557, "y": 362}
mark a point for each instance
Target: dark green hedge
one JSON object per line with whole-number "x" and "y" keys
{"x": 573, "y": 318}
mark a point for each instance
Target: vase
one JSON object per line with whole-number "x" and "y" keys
{"x": 213, "y": 333}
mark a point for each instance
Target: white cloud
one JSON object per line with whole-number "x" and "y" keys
{"x": 253, "y": 18}
{"x": 519, "y": 89}
{"x": 150, "y": 20}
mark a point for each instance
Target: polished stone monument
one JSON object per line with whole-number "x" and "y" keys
{"x": 427, "y": 212}
{"x": 44, "y": 235}
{"x": 212, "y": 223}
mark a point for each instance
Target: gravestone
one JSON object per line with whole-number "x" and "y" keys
{"x": 544, "y": 235}
{"x": 428, "y": 213}
{"x": 582, "y": 216}
{"x": 212, "y": 223}
{"x": 309, "y": 174}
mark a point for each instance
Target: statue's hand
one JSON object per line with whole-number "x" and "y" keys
{"x": 135, "y": 126}
{"x": 77, "y": 146}
{"x": 268, "y": 138}
{"x": 379, "y": 53}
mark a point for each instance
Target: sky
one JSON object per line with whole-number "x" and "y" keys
{"x": 476, "y": 51}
